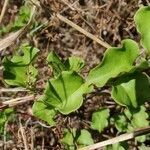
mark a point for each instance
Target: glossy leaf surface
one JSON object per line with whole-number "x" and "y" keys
{"x": 116, "y": 61}
{"x": 142, "y": 20}
{"x": 44, "y": 112}
{"x": 66, "y": 92}
{"x": 133, "y": 91}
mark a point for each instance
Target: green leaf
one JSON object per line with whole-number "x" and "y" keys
{"x": 139, "y": 118}
{"x": 21, "y": 19}
{"x": 141, "y": 139}
{"x": 19, "y": 71}
{"x": 56, "y": 64}
{"x": 100, "y": 119}
{"x": 71, "y": 64}
{"x": 116, "y": 61}
{"x": 72, "y": 137}
{"x": 142, "y": 20}
{"x": 69, "y": 139}
{"x": 117, "y": 146}
{"x": 44, "y": 112}
{"x": 121, "y": 122}
{"x": 65, "y": 93}
{"x": 4, "y": 116}
{"x": 74, "y": 63}
{"x": 133, "y": 91}
{"x": 85, "y": 138}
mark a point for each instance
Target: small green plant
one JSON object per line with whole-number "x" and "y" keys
{"x": 21, "y": 19}
{"x": 74, "y": 139}
{"x": 19, "y": 71}
{"x": 122, "y": 68}
{"x": 4, "y": 117}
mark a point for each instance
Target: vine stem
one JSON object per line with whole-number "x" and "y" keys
{"x": 123, "y": 137}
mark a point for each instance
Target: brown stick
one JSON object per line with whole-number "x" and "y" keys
{"x": 123, "y": 137}
{"x": 91, "y": 36}
{"x": 16, "y": 101}
{"x": 23, "y": 136}
{"x": 3, "y": 10}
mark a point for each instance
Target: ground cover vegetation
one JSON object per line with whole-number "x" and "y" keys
{"x": 121, "y": 78}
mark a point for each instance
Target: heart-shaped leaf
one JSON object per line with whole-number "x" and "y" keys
{"x": 4, "y": 116}
{"x": 18, "y": 71}
{"x": 139, "y": 118}
{"x": 121, "y": 122}
{"x": 133, "y": 91}
{"x": 100, "y": 119}
{"x": 85, "y": 138}
{"x": 142, "y": 20}
{"x": 71, "y": 64}
{"x": 44, "y": 112}
{"x": 74, "y": 63}
{"x": 116, "y": 61}
{"x": 56, "y": 63}
{"x": 65, "y": 93}
{"x": 69, "y": 139}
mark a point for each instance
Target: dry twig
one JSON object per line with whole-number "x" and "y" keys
{"x": 123, "y": 137}
{"x": 3, "y": 10}
{"x": 19, "y": 89}
{"x": 91, "y": 36}
{"x": 23, "y": 136}
{"x": 16, "y": 101}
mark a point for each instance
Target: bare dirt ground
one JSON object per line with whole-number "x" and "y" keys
{"x": 109, "y": 20}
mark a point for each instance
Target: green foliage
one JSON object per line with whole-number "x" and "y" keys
{"x": 4, "y": 116}
{"x": 100, "y": 119}
{"x": 131, "y": 119}
{"x": 121, "y": 122}
{"x": 74, "y": 137}
{"x": 131, "y": 92}
{"x": 68, "y": 139}
{"x": 74, "y": 63}
{"x": 64, "y": 93}
{"x": 55, "y": 62}
{"x": 18, "y": 71}
{"x": 85, "y": 138}
{"x": 44, "y": 112}
{"x": 117, "y": 146}
{"x": 143, "y": 26}
{"x": 122, "y": 68}
{"x": 21, "y": 19}
{"x": 116, "y": 61}
{"x": 139, "y": 118}
{"x": 71, "y": 64}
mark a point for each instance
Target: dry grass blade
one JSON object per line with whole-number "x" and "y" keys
{"x": 17, "y": 101}
{"x": 4, "y": 43}
{"x": 19, "y": 89}
{"x": 23, "y": 136}
{"x": 3, "y": 10}
{"x": 7, "y": 41}
{"x": 123, "y": 137}
{"x": 91, "y": 36}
